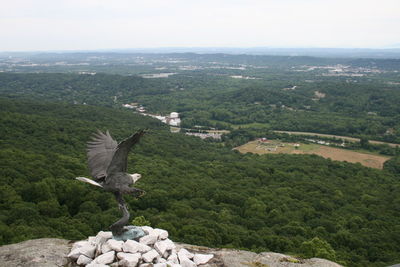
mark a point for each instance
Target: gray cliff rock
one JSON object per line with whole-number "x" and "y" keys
{"x": 46, "y": 252}
{"x": 51, "y": 252}
{"x": 241, "y": 258}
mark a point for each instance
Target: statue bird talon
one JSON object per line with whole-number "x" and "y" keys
{"x": 139, "y": 193}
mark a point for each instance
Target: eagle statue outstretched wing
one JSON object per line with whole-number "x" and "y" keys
{"x": 100, "y": 152}
{"x": 120, "y": 156}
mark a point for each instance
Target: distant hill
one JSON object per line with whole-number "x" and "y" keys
{"x": 392, "y": 52}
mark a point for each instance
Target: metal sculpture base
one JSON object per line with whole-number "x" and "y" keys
{"x": 131, "y": 233}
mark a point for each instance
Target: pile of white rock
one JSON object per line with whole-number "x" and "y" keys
{"x": 152, "y": 250}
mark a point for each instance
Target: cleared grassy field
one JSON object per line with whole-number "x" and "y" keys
{"x": 350, "y": 139}
{"x": 274, "y": 146}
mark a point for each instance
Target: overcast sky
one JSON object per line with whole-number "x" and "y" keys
{"x": 113, "y": 24}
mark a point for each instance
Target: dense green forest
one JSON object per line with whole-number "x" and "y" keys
{"x": 201, "y": 192}
{"x": 364, "y": 109}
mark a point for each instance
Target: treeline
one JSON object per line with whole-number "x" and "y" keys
{"x": 100, "y": 89}
{"x": 202, "y": 193}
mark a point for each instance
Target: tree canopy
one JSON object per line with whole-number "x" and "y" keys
{"x": 202, "y": 193}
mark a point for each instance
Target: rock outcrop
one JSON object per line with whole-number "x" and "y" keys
{"x": 51, "y": 252}
{"x": 240, "y": 258}
{"x": 45, "y": 252}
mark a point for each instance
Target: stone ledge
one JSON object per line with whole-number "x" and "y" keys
{"x": 52, "y": 252}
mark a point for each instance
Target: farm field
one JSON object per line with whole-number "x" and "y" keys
{"x": 275, "y": 146}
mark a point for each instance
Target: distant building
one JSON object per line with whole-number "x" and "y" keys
{"x": 128, "y": 106}
{"x": 216, "y": 136}
{"x": 174, "y": 115}
{"x": 173, "y": 119}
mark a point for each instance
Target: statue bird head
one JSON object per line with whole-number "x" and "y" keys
{"x": 135, "y": 177}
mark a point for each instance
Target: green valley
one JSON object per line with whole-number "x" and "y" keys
{"x": 202, "y": 191}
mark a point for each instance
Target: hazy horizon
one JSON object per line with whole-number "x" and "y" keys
{"x": 204, "y": 48}
{"x": 45, "y": 25}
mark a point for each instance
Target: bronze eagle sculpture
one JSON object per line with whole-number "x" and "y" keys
{"x": 107, "y": 161}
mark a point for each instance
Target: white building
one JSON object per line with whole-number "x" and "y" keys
{"x": 128, "y": 106}
{"x": 173, "y": 119}
{"x": 174, "y": 115}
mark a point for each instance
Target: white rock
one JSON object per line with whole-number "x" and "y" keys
{"x": 202, "y": 258}
{"x": 173, "y": 264}
{"x": 105, "y": 248}
{"x": 115, "y": 264}
{"x": 106, "y": 258}
{"x": 146, "y": 265}
{"x": 125, "y": 263}
{"x": 98, "y": 251}
{"x": 128, "y": 259}
{"x": 160, "y": 265}
{"x": 166, "y": 254}
{"x": 115, "y": 245}
{"x": 102, "y": 237}
{"x": 185, "y": 262}
{"x": 93, "y": 264}
{"x": 87, "y": 250}
{"x": 92, "y": 239}
{"x": 144, "y": 248}
{"x": 160, "y": 233}
{"x": 147, "y": 229}
{"x": 80, "y": 244}
{"x": 128, "y": 256}
{"x": 164, "y": 245}
{"x": 148, "y": 239}
{"x": 83, "y": 260}
{"x": 132, "y": 246}
{"x": 150, "y": 256}
{"x": 173, "y": 258}
{"x": 183, "y": 253}
{"x": 161, "y": 260}
{"x": 74, "y": 254}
